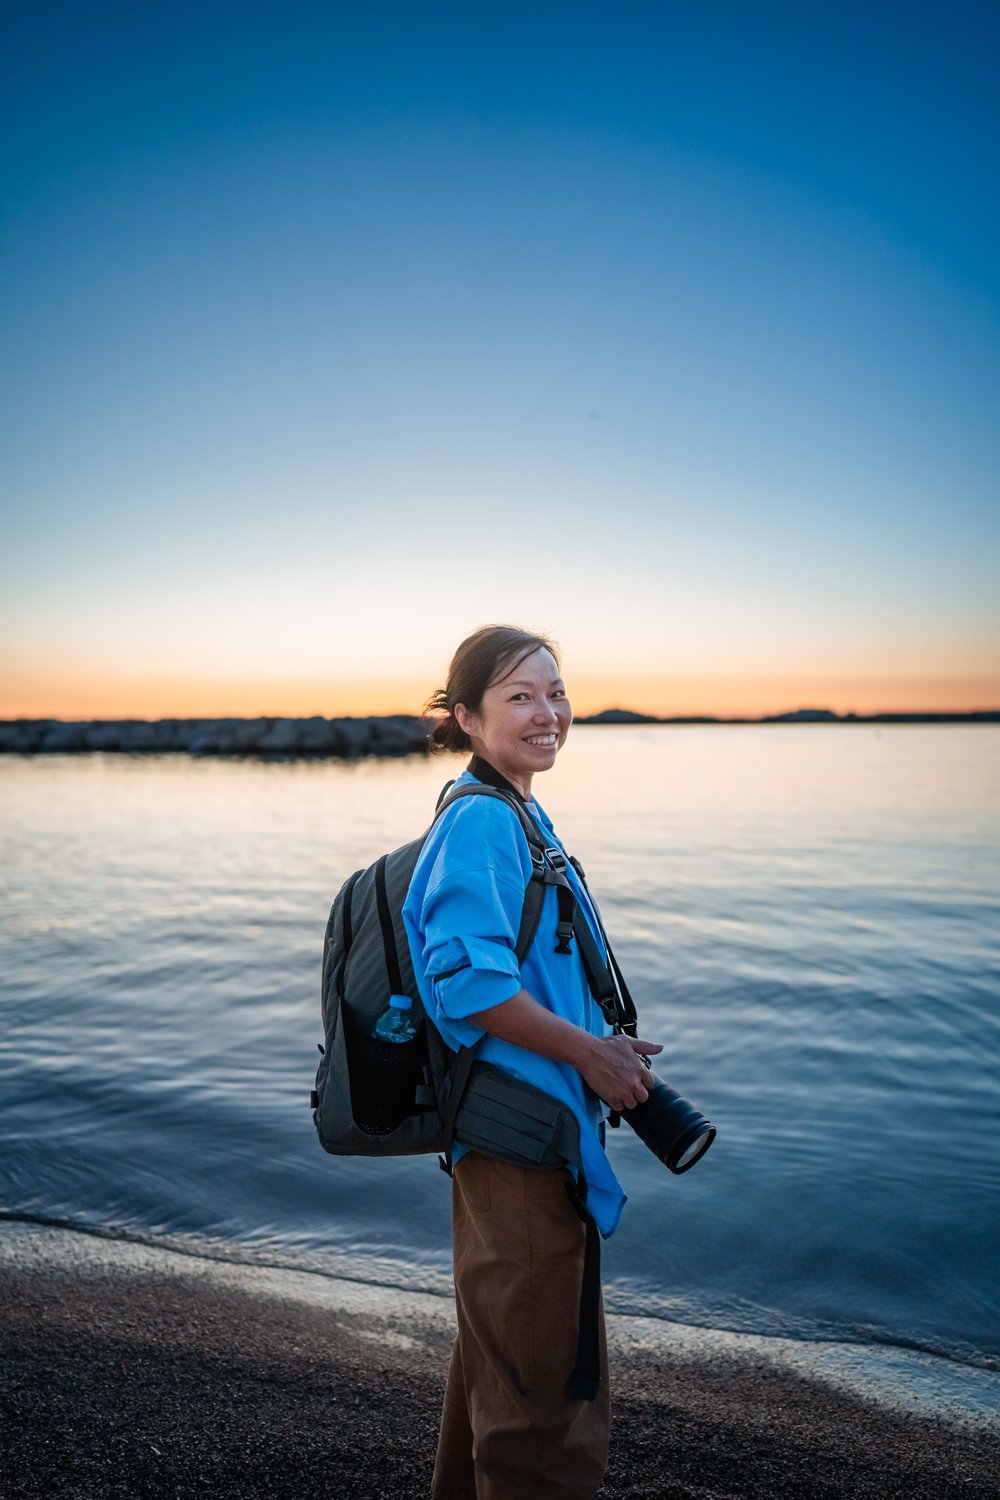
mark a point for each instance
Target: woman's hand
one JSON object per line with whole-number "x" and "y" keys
{"x": 616, "y": 1070}
{"x": 611, "y": 1065}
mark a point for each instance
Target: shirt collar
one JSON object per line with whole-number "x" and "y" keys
{"x": 490, "y": 776}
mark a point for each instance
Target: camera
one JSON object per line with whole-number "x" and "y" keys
{"x": 670, "y": 1126}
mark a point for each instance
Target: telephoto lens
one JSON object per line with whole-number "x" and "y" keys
{"x": 672, "y": 1128}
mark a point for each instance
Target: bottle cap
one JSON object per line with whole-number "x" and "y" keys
{"x": 400, "y": 1002}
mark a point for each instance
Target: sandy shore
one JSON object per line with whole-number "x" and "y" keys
{"x": 134, "y": 1372}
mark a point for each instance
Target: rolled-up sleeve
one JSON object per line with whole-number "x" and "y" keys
{"x": 462, "y": 914}
{"x": 470, "y": 921}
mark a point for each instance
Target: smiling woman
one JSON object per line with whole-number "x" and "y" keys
{"x": 516, "y": 715}
{"x": 527, "y": 1410}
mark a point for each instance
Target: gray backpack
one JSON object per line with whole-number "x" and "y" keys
{"x": 388, "y": 1099}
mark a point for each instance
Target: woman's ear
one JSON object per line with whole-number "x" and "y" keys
{"x": 468, "y": 722}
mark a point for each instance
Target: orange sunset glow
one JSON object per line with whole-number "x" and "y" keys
{"x": 749, "y": 697}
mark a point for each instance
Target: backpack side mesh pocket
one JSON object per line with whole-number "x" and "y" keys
{"x": 350, "y": 1095}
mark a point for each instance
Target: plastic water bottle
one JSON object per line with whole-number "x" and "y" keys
{"x": 391, "y": 1069}
{"x": 395, "y": 1024}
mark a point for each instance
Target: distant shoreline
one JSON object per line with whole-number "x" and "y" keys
{"x": 350, "y": 738}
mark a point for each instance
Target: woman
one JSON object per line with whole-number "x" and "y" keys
{"x": 510, "y": 1428}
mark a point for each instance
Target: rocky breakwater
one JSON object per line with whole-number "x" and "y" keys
{"x": 269, "y": 739}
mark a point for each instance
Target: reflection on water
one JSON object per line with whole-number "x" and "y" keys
{"x": 809, "y": 917}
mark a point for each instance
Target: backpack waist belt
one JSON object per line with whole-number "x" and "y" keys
{"x": 504, "y": 1116}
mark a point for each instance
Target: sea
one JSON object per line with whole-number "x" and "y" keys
{"x": 809, "y": 918}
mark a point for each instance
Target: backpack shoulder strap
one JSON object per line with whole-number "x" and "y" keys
{"x": 452, "y": 792}
{"x": 605, "y": 979}
{"x": 534, "y": 894}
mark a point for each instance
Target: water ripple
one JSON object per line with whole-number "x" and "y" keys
{"x": 810, "y": 923}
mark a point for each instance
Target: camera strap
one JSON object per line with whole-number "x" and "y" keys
{"x": 585, "y": 1380}
{"x": 606, "y": 980}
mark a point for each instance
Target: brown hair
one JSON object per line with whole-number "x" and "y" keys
{"x": 490, "y": 653}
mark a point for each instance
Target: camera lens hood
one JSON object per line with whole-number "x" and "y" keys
{"x": 666, "y": 1122}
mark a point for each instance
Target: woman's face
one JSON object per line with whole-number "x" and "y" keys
{"x": 522, "y": 721}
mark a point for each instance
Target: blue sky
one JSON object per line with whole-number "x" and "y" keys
{"x": 331, "y": 332}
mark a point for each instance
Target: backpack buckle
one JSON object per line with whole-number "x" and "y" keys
{"x": 556, "y": 859}
{"x": 564, "y": 935}
{"x": 566, "y": 916}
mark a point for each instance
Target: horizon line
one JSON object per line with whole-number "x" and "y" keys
{"x": 636, "y": 715}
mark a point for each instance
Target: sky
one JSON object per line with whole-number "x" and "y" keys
{"x": 330, "y": 332}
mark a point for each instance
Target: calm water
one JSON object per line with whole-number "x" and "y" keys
{"x": 811, "y": 920}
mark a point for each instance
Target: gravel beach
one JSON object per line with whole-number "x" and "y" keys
{"x": 134, "y": 1371}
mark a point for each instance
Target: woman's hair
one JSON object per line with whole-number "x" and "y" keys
{"x": 490, "y": 653}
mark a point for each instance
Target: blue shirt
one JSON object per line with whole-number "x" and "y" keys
{"x": 462, "y": 915}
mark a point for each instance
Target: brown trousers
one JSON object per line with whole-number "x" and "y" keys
{"x": 509, "y": 1429}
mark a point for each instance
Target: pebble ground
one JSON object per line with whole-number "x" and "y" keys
{"x": 132, "y": 1382}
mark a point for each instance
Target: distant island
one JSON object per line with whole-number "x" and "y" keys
{"x": 795, "y": 716}
{"x": 349, "y": 738}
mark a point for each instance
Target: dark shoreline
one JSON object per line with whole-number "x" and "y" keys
{"x": 138, "y": 1373}
{"x": 345, "y": 738}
